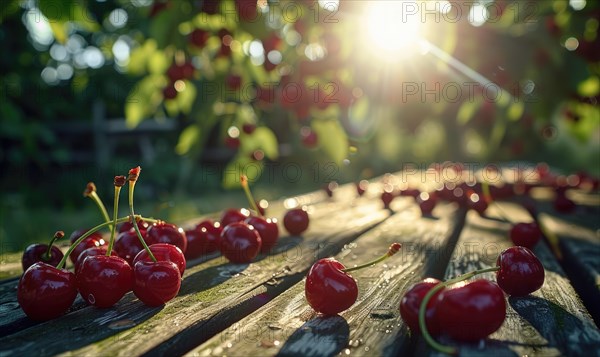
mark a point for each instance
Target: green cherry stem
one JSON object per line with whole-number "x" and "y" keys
{"x": 394, "y": 248}
{"x": 251, "y": 201}
{"x": 57, "y": 235}
{"x": 133, "y": 176}
{"x": 119, "y": 182}
{"x": 61, "y": 264}
{"x": 487, "y": 196}
{"x": 90, "y": 191}
{"x": 422, "y": 309}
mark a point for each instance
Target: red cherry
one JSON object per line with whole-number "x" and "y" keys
{"x": 330, "y": 188}
{"x": 427, "y": 203}
{"x": 477, "y": 203}
{"x": 142, "y": 225}
{"x": 563, "y": 204}
{"x": 387, "y": 198}
{"x": 37, "y": 253}
{"x": 411, "y": 302}
{"x": 102, "y": 281}
{"x": 233, "y": 81}
{"x": 240, "y": 243}
{"x": 361, "y": 187}
{"x": 169, "y": 92}
{"x": 210, "y": 7}
{"x": 91, "y": 252}
{"x": 93, "y": 240}
{"x": 328, "y": 289}
{"x": 232, "y": 143}
{"x": 471, "y": 312}
{"x": 163, "y": 232}
{"x": 163, "y": 252}
{"x": 246, "y": 10}
{"x": 205, "y": 238}
{"x": 199, "y": 37}
{"x": 156, "y": 283}
{"x": 234, "y": 216}
{"x": 309, "y": 137}
{"x": 128, "y": 245}
{"x": 521, "y": 272}
{"x": 296, "y": 221}
{"x": 267, "y": 229}
{"x": 45, "y": 293}
{"x": 248, "y": 128}
{"x": 525, "y": 234}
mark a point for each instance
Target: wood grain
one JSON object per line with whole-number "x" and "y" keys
{"x": 287, "y": 326}
{"x": 551, "y": 321}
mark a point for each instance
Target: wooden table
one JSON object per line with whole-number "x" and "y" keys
{"x": 259, "y": 309}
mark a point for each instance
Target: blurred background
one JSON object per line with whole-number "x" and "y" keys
{"x": 294, "y": 94}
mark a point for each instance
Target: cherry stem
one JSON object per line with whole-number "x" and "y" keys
{"x": 487, "y": 196}
{"x": 62, "y": 262}
{"x": 135, "y": 226}
{"x": 251, "y": 201}
{"x": 94, "y": 196}
{"x": 422, "y": 309}
{"x": 111, "y": 242}
{"x": 57, "y": 235}
{"x": 394, "y": 248}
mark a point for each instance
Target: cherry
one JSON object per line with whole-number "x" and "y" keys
{"x": 309, "y": 137}
{"x": 246, "y": 10}
{"x": 49, "y": 254}
{"x": 520, "y": 273}
{"x": 233, "y": 81}
{"x": 169, "y": 92}
{"x": 163, "y": 252}
{"x": 45, "y": 292}
{"x": 525, "y": 234}
{"x": 93, "y": 240}
{"x": 103, "y": 280}
{"x": 203, "y": 239}
{"x": 472, "y": 311}
{"x": 477, "y": 203}
{"x": 427, "y": 203}
{"x": 156, "y": 283}
{"x": 329, "y": 289}
{"x": 267, "y": 229}
{"x": 296, "y": 221}
{"x": 91, "y": 252}
{"x": 563, "y": 204}
{"x": 411, "y": 302}
{"x": 162, "y": 232}
{"x": 142, "y": 225}
{"x": 234, "y": 216}
{"x": 248, "y": 128}
{"x": 361, "y": 187}
{"x": 330, "y": 188}
{"x": 128, "y": 245}
{"x": 240, "y": 243}
{"x": 199, "y": 37}
{"x": 386, "y": 198}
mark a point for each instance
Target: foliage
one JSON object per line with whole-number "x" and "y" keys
{"x": 253, "y": 77}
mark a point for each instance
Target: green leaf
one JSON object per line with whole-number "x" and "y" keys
{"x": 60, "y": 31}
{"x": 242, "y": 164}
{"x": 158, "y": 62}
{"x": 185, "y": 99}
{"x": 590, "y": 87}
{"x": 467, "y": 111}
{"x": 333, "y": 139}
{"x": 515, "y": 111}
{"x": 267, "y": 142}
{"x": 188, "y": 137}
{"x": 143, "y": 99}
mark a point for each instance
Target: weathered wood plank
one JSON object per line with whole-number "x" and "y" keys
{"x": 372, "y": 326}
{"x": 579, "y": 242}
{"x": 208, "y": 289}
{"x": 551, "y": 321}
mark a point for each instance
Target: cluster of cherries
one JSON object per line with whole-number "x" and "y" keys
{"x": 239, "y": 235}
{"x": 470, "y": 311}
{"x": 47, "y": 290}
{"x": 147, "y": 257}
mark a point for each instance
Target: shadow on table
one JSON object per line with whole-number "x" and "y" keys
{"x": 563, "y": 331}
{"x": 320, "y": 336}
